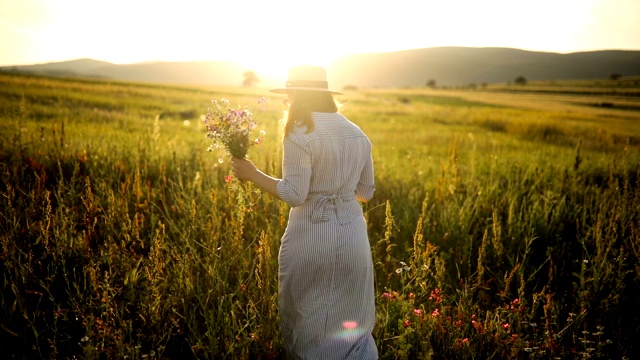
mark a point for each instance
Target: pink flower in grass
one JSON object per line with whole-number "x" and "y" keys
{"x": 389, "y": 296}
{"x": 436, "y": 295}
{"x": 460, "y": 342}
{"x": 478, "y": 326}
{"x": 263, "y": 101}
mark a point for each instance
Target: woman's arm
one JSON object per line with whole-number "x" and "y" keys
{"x": 366, "y": 184}
{"x": 293, "y": 188}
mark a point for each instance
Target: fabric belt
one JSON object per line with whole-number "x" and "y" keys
{"x": 321, "y": 203}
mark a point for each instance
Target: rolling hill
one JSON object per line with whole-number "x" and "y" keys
{"x": 447, "y": 66}
{"x": 220, "y": 73}
{"x": 458, "y": 66}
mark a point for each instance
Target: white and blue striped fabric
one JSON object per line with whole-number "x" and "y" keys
{"x": 326, "y": 288}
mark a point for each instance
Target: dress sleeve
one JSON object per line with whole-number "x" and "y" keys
{"x": 366, "y": 185}
{"x": 296, "y": 173}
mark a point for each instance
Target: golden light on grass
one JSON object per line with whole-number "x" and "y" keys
{"x": 516, "y": 214}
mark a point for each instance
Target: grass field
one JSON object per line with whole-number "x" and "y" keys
{"x": 505, "y": 224}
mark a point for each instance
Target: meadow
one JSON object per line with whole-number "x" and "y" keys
{"x": 505, "y": 224}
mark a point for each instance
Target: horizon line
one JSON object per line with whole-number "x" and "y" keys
{"x": 340, "y": 57}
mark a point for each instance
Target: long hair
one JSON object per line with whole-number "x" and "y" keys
{"x": 304, "y": 104}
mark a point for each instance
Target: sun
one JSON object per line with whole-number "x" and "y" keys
{"x": 272, "y": 65}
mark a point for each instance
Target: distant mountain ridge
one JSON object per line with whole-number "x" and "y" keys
{"x": 446, "y": 66}
{"x": 459, "y": 66}
{"x": 219, "y": 73}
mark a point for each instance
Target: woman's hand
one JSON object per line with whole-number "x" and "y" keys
{"x": 243, "y": 169}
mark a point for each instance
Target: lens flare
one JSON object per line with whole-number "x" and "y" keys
{"x": 349, "y": 325}
{"x": 350, "y": 331}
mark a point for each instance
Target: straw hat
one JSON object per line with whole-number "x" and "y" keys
{"x": 311, "y": 78}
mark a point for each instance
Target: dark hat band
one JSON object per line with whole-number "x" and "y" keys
{"x": 308, "y": 84}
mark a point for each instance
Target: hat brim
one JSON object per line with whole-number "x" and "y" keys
{"x": 290, "y": 89}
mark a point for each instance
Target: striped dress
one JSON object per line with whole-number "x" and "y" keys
{"x": 326, "y": 295}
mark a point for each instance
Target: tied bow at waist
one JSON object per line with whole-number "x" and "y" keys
{"x": 321, "y": 206}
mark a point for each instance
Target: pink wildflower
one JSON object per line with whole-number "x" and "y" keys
{"x": 460, "y": 342}
{"x": 228, "y": 178}
{"x": 417, "y": 312}
{"x": 435, "y": 313}
{"x": 515, "y": 305}
{"x": 406, "y": 323}
{"x": 436, "y": 295}
{"x": 389, "y": 296}
{"x": 478, "y": 326}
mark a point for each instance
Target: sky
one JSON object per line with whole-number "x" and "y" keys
{"x": 272, "y": 35}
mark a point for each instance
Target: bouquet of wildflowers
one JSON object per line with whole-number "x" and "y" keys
{"x": 231, "y": 128}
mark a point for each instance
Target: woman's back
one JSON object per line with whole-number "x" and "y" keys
{"x": 339, "y": 152}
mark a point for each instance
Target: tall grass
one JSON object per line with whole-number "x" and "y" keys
{"x": 497, "y": 232}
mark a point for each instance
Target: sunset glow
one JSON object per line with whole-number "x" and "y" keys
{"x": 270, "y": 36}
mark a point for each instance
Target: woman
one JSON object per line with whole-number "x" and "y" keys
{"x": 325, "y": 280}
